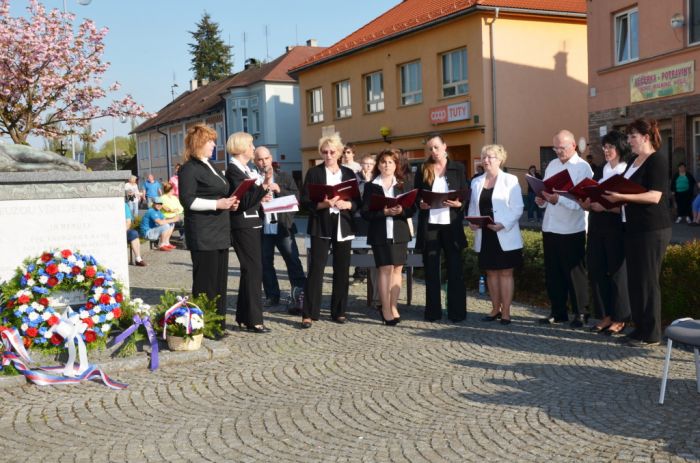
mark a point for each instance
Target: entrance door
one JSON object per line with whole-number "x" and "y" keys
{"x": 462, "y": 153}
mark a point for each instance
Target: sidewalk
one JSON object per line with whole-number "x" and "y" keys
{"x": 364, "y": 392}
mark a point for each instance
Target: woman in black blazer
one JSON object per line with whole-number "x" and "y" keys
{"x": 246, "y": 233}
{"x": 331, "y": 225}
{"x": 605, "y": 245}
{"x": 388, "y": 231}
{"x": 647, "y": 224}
{"x": 442, "y": 229}
{"x": 204, "y": 194}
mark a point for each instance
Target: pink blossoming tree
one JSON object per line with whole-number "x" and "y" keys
{"x": 51, "y": 75}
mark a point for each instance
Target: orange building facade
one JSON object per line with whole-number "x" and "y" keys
{"x": 642, "y": 63}
{"x": 476, "y": 74}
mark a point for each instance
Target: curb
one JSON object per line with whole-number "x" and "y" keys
{"x": 210, "y": 350}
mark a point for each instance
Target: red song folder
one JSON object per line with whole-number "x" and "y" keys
{"x": 405, "y": 200}
{"x": 435, "y": 199}
{"x": 346, "y": 190}
{"x": 480, "y": 220}
{"x": 561, "y": 181}
{"x": 243, "y": 188}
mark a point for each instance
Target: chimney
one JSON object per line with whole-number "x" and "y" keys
{"x": 251, "y": 62}
{"x": 312, "y": 43}
{"x": 205, "y": 82}
{"x": 288, "y": 48}
{"x": 193, "y": 85}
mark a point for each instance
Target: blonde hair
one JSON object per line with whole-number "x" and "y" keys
{"x": 238, "y": 142}
{"x": 497, "y": 150}
{"x": 332, "y": 140}
{"x": 197, "y": 136}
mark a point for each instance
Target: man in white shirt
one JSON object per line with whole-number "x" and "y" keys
{"x": 564, "y": 237}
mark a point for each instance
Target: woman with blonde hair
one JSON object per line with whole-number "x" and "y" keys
{"x": 204, "y": 193}
{"x": 246, "y": 233}
{"x": 497, "y": 194}
{"x": 331, "y": 226}
{"x": 441, "y": 229}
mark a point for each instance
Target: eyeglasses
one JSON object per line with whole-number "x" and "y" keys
{"x": 559, "y": 149}
{"x": 490, "y": 158}
{"x": 608, "y": 147}
{"x": 327, "y": 151}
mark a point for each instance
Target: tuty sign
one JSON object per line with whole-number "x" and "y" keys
{"x": 450, "y": 113}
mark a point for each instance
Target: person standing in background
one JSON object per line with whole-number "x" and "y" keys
{"x": 348, "y": 158}
{"x": 174, "y": 180}
{"x": 151, "y": 190}
{"x": 683, "y": 186}
{"x": 133, "y": 196}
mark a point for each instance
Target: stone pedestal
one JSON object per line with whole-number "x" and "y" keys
{"x": 75, "y": 210}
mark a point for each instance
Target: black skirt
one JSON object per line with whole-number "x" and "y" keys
{"x": 492, "y": 256}
{"x": 390, "y": 254}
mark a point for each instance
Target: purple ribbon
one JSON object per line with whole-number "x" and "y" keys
{"x": 146, "y": 322}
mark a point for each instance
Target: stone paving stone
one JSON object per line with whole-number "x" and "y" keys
{"x": 364, "y": 392}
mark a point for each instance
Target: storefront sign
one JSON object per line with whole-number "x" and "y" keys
{"x": 668, "y": 81}
{"x": 450, "y": 113}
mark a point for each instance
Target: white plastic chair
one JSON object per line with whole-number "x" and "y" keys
{"x": 686, "y": 331}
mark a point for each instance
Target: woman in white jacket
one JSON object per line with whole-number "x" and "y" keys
{"x": 500, "y": 245}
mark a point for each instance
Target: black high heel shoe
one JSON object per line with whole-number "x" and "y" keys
{"x": 490, "y": 318}
{"x": 391, "y": 322}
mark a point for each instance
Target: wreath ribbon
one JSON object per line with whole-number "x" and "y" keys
{"x": 181, "y": 302}
{"x": 70, "y": 328}
{"x": 152, "y": 338}
{"x": 20, "y": 360}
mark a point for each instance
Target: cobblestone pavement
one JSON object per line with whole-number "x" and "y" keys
{"x": 363, "y": 392}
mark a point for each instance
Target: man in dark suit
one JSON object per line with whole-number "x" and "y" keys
{"x": 279, "y": 231}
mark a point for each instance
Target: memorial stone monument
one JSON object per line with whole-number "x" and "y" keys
{"x": 63, "y": 206}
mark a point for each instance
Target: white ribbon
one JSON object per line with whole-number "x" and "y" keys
{"x": 70, "y": 328}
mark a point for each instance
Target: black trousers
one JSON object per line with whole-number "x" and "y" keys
{"x": 683, "y": 202}
{"x": 644, "y": 252}
{"x": 210, "y": 276}
{"x": 439, "y": 238}
{"x": 318, "y": 254}
{"x": 247, "y": 243}
{"x": 565, "y": 272}
{"x": 607, "y": 273}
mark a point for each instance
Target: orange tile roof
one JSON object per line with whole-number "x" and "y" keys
{"x": 208, "y": 98}
{"x": 411, "y": 14}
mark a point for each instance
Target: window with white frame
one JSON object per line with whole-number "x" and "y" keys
{"x": 163, "y": 146}
{"x": 342, "y": 100}
{"x": 374, "y": 92}
{"x": 455, "y": 79}
{"x": 244, "y": 120}
{"x": 627, "y": 36}
{"x": 155, "y": 149}
{"x": 174, "y": 145}
{"x": 143, "y": 150}
{"x": 315, "y": 97}
{"x": 255, "y": 121}
{"x": 696, "y": 137}
{"x": 411, "y": 83}
{"x": 693, "y": 21}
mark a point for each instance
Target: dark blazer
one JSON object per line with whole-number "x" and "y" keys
{"x": 250, "y": 203}
{"x": 456, "y": 180}
{"x": 376, "y": 233}
{"x": 285, "y": 222}
{"x": 652, "y": 175}
{"x": 204, "y": 230}
{"x": 320, "y": 224}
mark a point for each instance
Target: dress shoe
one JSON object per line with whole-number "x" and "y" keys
{"x": 490, "y": 318}
{"x": 579, "y": 321}
{"x": 599, "y": 329}
{"x": 397, "y": 319}
{"x": 551, "y": 320}
{"x": 272, "y": 301}
{"x": 342, "y": 319}
{"x": 505, "y": 321}
{"x": 140, "y": 263}
{"x": 632, "y": 342}
{"x": 258, "y": 329}
{"x": 609, "y": 331}
{"x": 389, "y": 322}
{"x": 306, "y": 323}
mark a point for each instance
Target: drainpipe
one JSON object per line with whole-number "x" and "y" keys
{"x": 493, "y": 77}
{"x": 167, "y": 149}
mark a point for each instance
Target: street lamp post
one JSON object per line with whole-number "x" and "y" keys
{"x": 122, "y": 119}
{"x": 65, "y": 11}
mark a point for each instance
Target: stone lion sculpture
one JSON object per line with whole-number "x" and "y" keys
{"x": 23, "y": 158}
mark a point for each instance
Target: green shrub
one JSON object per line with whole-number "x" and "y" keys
{"x": 680, "y": 272}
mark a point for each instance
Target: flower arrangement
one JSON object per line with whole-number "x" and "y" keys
{"x": 212, "y": 321}
{"x": 29, "y": 300}
{"x": 184, "y": 321}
